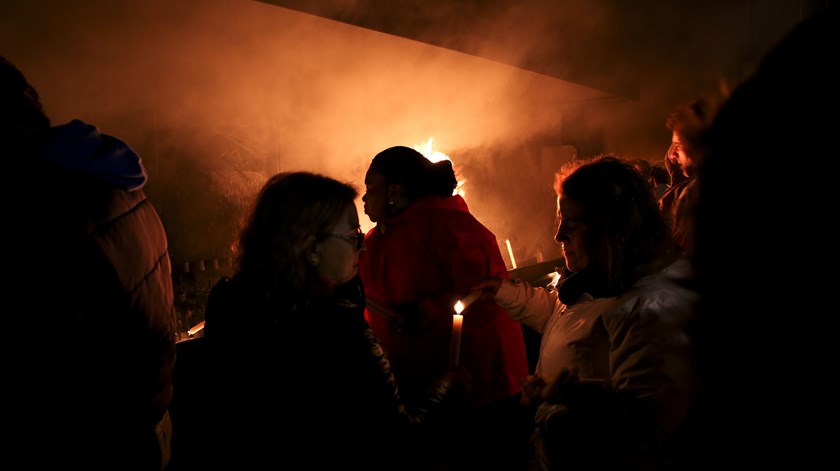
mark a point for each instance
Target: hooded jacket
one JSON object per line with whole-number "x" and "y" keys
{"x": 92, "y": 269}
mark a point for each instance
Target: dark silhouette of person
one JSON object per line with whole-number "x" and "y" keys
{"x": 423, "y": 255}
{"x": 765, "y": 245}
{"x": 89, "y": 272}
{"x": 296, "y": 376}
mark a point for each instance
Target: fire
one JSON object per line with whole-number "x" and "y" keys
{"x": 435, "y": 156}
{"x": 555, "y": 278}
{"x": 459, "y": 307}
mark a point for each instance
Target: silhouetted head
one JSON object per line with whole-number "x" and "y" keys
{"x": 400, "y": 175}
{"x": 301, "y": 237}
{"x": 21, "y": 113}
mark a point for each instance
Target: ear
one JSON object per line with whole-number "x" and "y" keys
{"x": 396, "y": 193}
{"x": 394, "y": 190}
{"x": 313, "y": 251}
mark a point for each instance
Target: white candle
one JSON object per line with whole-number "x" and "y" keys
{"x": 455, "y": 346}
{"x": 510, "y": 252}
{"x": 465, "y": 303}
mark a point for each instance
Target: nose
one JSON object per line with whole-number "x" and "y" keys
{"x": 560, "y": 235}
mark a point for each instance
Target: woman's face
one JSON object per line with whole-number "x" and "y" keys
{"x": 375, "y": 197}
{"x": 338, "y": 257}
{"x": 571, "y": 234}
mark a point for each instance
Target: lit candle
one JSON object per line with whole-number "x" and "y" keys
{"x": 196, "y": 329}
{"x": 465, "y": 303}
{"x": 510, "y": 252}
{"x": 455, "y": 346}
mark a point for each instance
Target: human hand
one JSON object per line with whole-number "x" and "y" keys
{"x": 569, "y": 389}
{"x": 532, "y": 386}
{"x": 458, "y": 379}
{"x": 488, "y": 288}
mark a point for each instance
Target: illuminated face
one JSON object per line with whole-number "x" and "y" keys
{"x": 677, "y": 153}
{"x": 338, "y": 251}
{"x": 376, "y": 197}
{"x": 571, "y": 234}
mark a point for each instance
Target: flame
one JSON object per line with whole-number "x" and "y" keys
{"x": 429, "y": 153}
{"x": 459, "y": 307}
{"x": 435, "y": 156}
{"x": 555, "y": 278}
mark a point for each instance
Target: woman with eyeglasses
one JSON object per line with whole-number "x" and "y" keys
{"x": 297, "y": 377}
{"x": 422, "y": 256}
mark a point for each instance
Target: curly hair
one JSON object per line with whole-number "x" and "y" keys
{"x": 627, "y": 234}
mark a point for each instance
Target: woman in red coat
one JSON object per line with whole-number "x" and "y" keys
{"x": 424, "y": 253}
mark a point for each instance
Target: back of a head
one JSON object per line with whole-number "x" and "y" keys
{"x": 418, "y": 175}
{"x": 290, "y": 208}
{"x": 21, "y": 113}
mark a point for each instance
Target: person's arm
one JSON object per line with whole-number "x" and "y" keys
{"x": 527, "y": 304}
{"x": 444, "y": 394}
{"x": 650, "y": 387}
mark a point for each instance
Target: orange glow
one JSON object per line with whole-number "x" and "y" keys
{"x": 196, "y": 329}
{"x": 436, "y": 156}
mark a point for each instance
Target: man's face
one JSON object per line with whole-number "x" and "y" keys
{"x": 678, "y": 154}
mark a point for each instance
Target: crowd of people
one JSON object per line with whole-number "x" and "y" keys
{"x": 331, "y": 346}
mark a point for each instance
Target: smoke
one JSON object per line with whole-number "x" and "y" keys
{"x": 217, "y": 95}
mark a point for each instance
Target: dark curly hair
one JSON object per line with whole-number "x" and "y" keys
{"x": 628, "y": 237}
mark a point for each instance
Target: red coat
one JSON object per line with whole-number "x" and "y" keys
{"x": 425, "y": 262}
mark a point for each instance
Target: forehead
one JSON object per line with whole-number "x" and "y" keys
{"x": 349, "y": 217}
{"x": 374, "y": 179}
{"x": 568, "y": 209}
{"x": 675, "y": 138}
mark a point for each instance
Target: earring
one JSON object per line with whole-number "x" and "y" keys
{"x": 391, "y": 208}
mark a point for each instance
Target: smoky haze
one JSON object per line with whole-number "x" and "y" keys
{"x": 217, "y": 95}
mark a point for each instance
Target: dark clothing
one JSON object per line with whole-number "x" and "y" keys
{"x": 678, "y": 204}
{"x": 307, "y": 387}
{"x": 90, "y": 265}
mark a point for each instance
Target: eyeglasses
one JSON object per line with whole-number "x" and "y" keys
{"x": 357, "y": 239}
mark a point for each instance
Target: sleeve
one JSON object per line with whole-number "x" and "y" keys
{"x": 526, "y": 304}
{"x": 651, "y": 371}
{"x": 463, "y": 252}
{"x": 439, "y": 396}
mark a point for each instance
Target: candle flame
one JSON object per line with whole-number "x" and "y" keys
{"x": 459, "y": 307}
{"x": 555, "y": 278}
